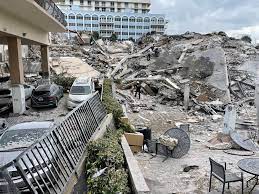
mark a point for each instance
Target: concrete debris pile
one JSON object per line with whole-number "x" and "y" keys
{"x": 171, "y": 143}
{"x": 72, "y": 67}
{"x": 62, "y": 46}
{"x": 116, "y": 47}
{"x": 62, "y": 39}
{"x": 211, "y": 70}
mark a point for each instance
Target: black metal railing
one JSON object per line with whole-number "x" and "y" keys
{"x": 48, "y": 164}
{"x": 53, "y": 10}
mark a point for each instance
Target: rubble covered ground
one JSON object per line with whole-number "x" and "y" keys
{"x": 215, "y": 68}
{"x": 40, "y": 114}
{"x": 168, "y": 176}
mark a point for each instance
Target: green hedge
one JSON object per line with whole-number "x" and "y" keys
{"x": 111, "y": 104}
{"x": 114, "y": 107}
{"x": 106, "y": 153}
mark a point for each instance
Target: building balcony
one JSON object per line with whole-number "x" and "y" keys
{"x": 53, "y": 10}
{"x": 158, "y": 30}
{"x": 106, "y": 22}
{"x": 31, "y": 20}
{"x": 104, "y": 35}
{"x": 106, "y": 29}
{"x": 157, "y": 24}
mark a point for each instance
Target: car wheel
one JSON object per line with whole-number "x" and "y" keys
{"x": 56, "y": 102}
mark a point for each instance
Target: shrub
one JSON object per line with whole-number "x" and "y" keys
{"x": 113, "y": 37}
{"x": 126, "y": 128}
{"x": 106, "y": 154}
{"x": 114, "y": 107}
{"x": 108, "y": 150}
{"x": 247, "y": 39}
{"x": 131, "y": 39}
{"x": 95, "y": 35}
{"x": 65, "y": 82}
{"x": 111, "y": 104}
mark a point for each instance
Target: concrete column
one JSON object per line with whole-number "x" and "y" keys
{"x": 16, "y": 73}
{"x": 45, "y": 62}
{"x": 18, "y": 96}
{"x": 45, "y": 59}
{"x": 15, "y": 60}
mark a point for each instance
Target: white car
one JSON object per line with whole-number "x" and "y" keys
{"x": 81, "y": 90}
{"x": 6, "y": 95}
{"x": 7, "y": 92}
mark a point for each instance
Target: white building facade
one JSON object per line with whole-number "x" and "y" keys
{"x": 126, "y": 18}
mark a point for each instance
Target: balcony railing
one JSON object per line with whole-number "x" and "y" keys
{"x": 53, "y": 10}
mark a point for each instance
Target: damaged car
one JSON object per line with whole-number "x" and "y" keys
{"x": 46, "y": 96}
{"x": 15, "y": 141}
{"x": 80, "y": 91}
{"x": 6, "y": 96}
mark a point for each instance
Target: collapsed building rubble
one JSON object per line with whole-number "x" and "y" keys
{"x": 201, "y": 72}
{"x": 217, "y": 68}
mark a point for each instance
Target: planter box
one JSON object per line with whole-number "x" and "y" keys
{"x": 139, "y": 185}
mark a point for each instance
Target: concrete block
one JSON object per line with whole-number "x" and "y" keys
{"x": 148, "y": 89}
{"x": 229, "y": 119}
{"x": 134, "y": 139}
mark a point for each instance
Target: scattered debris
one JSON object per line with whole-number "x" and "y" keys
{"x": 239, "y": 152}
{"x": 167, "y": 141}
{"x": 245, "y": 143}
{"x": 188, "y": 168}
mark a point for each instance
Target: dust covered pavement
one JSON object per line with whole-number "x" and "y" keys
{"x": 168, "y": 176}
{"x": 41, "y": 114}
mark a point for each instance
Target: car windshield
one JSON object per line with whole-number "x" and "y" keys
{"x": 5, "y": 91}
{"x": 80, "y": 90}
{"x": 41, "y": 93}
{"x": 20, "y": 138}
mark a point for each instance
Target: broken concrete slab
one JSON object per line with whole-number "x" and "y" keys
{"x": 148, "y": 89}
{"x": 73, "y": 67}
{"x": 211, "y": 68}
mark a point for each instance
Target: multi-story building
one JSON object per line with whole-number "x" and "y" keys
{"x": 126, "y": 18}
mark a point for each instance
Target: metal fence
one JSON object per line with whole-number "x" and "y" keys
{"x": 53, "y": 10}
{"x": 47, "y": 165}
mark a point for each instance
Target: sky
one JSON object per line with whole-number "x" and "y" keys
{"x": 235, "y": 17}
